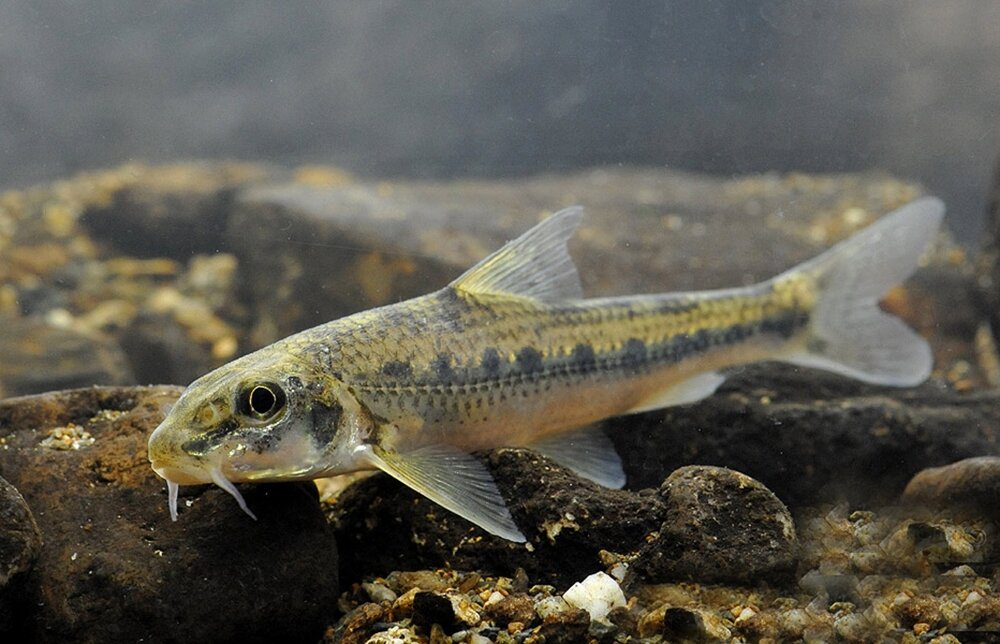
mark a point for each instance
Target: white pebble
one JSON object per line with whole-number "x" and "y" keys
{"x": 597, "y": 594}
{"x": 494, "y": 597}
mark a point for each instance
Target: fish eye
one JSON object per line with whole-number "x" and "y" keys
{"x": 262, "y": 401}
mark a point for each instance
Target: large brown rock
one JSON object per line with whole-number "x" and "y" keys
{"x": 706, "y": 524}
{"x": 38, "y": 356}
{"x": 20, "y": 543}
{"x": 567, "y": 520}
{"x": 972, "y": 484}
{"x": 114, "y": 567}
{"x": 719, "y": 526}
{"x": 812, "y": 437}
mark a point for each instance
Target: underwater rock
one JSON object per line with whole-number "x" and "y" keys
{"x": 431, "y": 608}
{"x": 20, "y": 543}
{"x": 517, "y": 608}
{"x": 38, "y": 356}
{"x": 357, "y": 626}
{"x": 565, "y": 627}
{"x": 174, "y": 210}
{"x": 707, "y": 523}
{"x": 568, "y": 521}
{"x": 972, "y": 484}
{"x": 684, "y": 625}
{"x": 809, "y": 436}
{"x": 719, "y": 526}
{"x": 114, "y": 567}
{"x": 314, "y": 243}
{"x": 161, "y": 350}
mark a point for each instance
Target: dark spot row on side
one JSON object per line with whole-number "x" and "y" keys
{"x": 636, "y": 355}
{"x": 441, "y": 366}
{"x": 490, "y": 363}
{"x": 633, "y": 357}
{"x": 583, "y": 357}
{"x": 529, "y": 360}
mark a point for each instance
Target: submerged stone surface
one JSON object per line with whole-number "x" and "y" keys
{"x": 20, "y": 543}
{"x": 811, "y": 437}
{"x": 114, "y": 567}
{"x": 39, "y": 356}
{"x": 568, "y": 521}
{"x": 719, "y": 526}
{"x": 707, "y": 524}
{"x": 969, "y": 485}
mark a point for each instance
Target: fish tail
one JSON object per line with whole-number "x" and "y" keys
{"x": 848, "y": 333}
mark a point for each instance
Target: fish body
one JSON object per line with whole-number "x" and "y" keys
{"x": 511, "y": 354}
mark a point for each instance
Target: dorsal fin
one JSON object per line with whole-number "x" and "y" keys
{"x": 536, "y": 264}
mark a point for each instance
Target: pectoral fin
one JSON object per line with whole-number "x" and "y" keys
{"x": 453, "y": 479}
{"x": 588, "y": 453}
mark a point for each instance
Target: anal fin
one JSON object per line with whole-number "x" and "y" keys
{"x": 685, "y": 392}
{"x": 588, "y": 453}
{"x": 453, "y": 479}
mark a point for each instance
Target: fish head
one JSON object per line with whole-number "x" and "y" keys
{"x": 264, "y": 417}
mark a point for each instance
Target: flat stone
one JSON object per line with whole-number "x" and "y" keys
{"x": 310, "y": 251}
{"x": 40, "y": 357}
{"x": 654, "y": 230}
{"x": 114, "y": 567}
{"x": 969, "y": 484}
{"x": 173, "y": 210}
{"x": 720, "y": 526}
{"x": 809, "y": 436}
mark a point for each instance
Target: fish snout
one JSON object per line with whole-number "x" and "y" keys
{"x": 171, "y": 462}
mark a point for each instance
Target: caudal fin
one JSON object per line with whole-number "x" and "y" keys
{"x": 849, "y": 334}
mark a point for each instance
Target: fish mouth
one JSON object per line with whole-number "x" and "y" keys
{"x": 182, "y": 475}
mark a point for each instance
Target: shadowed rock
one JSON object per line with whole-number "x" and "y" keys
{"x": 719, "y": 526}
{"x": 20, "y": 543}
{"x": 972, "y": 484}
{"x": 115, "y": 568}
{"x": 710, "y": 523}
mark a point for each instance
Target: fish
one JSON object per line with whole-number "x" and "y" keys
{"x": 511, "y": 354}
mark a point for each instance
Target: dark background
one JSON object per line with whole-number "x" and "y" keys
{"x": 490, "y": 88}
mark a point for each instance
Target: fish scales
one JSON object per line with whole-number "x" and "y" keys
{"x": 511, "y": 354}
